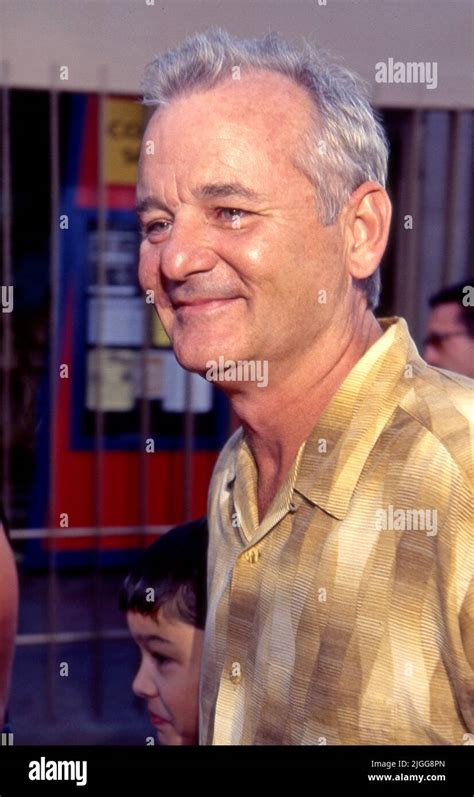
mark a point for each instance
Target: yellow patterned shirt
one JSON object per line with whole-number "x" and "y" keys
{"x": 346, "y": 616}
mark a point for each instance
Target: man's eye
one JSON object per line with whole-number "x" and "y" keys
{"x": 156, "y": 226}
{"x": 161, "y": 226}
{"x": 232, "y": 214}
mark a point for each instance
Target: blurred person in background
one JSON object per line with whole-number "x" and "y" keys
{"x": 449, "y": 341}
{"x": 8, "y": 614}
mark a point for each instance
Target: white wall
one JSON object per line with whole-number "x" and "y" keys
{"x": 37, "y": 36}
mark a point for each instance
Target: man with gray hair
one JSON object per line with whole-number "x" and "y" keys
{"x": 264, "y": 217}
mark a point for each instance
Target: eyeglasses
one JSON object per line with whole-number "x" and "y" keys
{"x": 436, "y": 338}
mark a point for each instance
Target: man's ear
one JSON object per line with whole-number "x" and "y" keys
{"x": 366, "y": 223}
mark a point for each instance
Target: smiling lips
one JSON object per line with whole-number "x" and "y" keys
{"x": 158, "y": 721}
{"x": 198, "y": 305}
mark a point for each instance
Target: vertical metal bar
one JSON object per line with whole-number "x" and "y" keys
{"x": 145, "y": 421}
{"x": 53, "y": 382}
{"x": 188, "y": 447}
{"x": 7, "y": 342}
{"x": 451, "y": 263}
{"x": 99, "y": 425}
{"x": 408, "y": 240}
{"x": 145, "y": 405}
{"x": 470, "y": 203}
{"x": 451, "y": 205}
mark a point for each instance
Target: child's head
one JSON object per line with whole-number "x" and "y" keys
{"x": 164, "y": 596}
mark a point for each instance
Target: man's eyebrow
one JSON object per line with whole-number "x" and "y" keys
{"x": 223, "y": 190}
{"x": 150, "y": 203}
{"x": 204, "y": 191}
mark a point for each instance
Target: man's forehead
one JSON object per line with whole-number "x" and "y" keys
{"x": 248, "y": 167}
{"x": 258, "y": 111}
{"x": 248, "y": 175}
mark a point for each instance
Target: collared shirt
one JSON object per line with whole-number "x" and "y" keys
{"x": 346, "y": 616}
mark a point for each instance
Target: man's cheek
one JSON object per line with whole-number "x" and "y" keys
{"x": 146, "y": 272}
{"x": 143, "y": 273}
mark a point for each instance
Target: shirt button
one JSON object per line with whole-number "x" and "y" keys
{"x": 252, "y": 555}
{"x": 292, "y": 506}
{"x": 235, "y": 673}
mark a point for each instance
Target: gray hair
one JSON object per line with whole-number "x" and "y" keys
{"x": 345, "y": 145}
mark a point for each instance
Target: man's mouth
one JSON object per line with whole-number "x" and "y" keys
{"x": 158, "y": 721}
{"x": 198, "y": 305}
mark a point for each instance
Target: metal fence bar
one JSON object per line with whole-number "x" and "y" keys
{"x": 64, "y": 637}
{"x": 188, "y": 447}
{"x": 145, "y": 433}
{"x": 451, "y": 265}
{"x": 52, "y": 599}
{"x": 145, "y": 416}
{"x": 87, "y": 531}
{"x": 99, "y": 426}
{"x": 407, "y": 271}
{"x": 7, "y": 281}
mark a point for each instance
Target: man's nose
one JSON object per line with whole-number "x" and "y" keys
{"x": 187, "y": 251}
{"x": 144, "y": 685}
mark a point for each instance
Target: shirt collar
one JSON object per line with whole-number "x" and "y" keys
{"x": 331, "y": 460}
{"x": 349, "y": 426}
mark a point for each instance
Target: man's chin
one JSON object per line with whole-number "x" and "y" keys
{"x": 198, "y": 357}
{"x": 191, "y": 362}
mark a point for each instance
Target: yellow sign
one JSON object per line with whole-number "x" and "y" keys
{"x": 160, "y": 338}
{"x": 124, "y": 123}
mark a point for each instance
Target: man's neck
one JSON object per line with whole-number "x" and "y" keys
{"x": 278, "y": 419}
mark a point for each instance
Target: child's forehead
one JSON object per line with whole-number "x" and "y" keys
{"x": 161, "y": 624}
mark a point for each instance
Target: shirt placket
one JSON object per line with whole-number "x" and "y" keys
{"x": 230, "y": 707}
{"x": 242, "y": 605}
